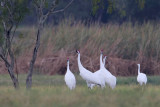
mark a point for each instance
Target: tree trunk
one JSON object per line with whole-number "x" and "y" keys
{"x": 10, "y": 66}
{"x": 11, "y": 73}
{"x": 29, "y": 77}
{"x": 14, "y": 79}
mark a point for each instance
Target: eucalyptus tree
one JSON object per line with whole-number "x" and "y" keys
{"x": 11, "y": 14}
{"x": 44, "y": 8}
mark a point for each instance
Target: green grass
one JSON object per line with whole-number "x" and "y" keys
{"x": 51, "y": 91}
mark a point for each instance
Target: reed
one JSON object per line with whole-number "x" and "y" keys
{"x": 135, "y": 43}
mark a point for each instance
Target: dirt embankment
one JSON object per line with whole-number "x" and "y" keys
{"x": 56, "y": 64}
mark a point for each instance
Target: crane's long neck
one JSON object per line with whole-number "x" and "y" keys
{"x": 101, "y": 63}
{"x": 67, "y": 65}
{"x": 79, "y": 62}
{"x": 104, "y": 61}
{"x": 138, "y": 69}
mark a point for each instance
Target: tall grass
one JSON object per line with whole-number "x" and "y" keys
{"x": 126, "y": 41}
{"x": 139, "y": 43}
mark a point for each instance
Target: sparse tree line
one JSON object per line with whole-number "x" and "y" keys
{"x": 12, "y": 12}
{"x": 126, "y": 10}
{"x": 106, "y": 11}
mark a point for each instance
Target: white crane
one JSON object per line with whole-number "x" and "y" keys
{"x": 87, "y": 75}
{"x": 105, "y": 75}
{"x": 70, "y": 78}
{"x": 141, "y": 78}
{"x": 109, "y": 78}
{"x": 100, "y": 72}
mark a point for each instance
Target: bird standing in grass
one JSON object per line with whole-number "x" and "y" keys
{"x": 141, "y": 78}
{"x": 109, "y": 79}
{"x": 100, "y": 72}
{"x": 87, "y": 75}
{"x": 70, "y": 78}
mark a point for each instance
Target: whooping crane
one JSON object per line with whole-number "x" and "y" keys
{"x": 70, "y": 78}
{"x": 100, "y": 72}
{"x": 141, "y": 78}
{"x": 87, "y": 75}
{"x": 109, "y": 79}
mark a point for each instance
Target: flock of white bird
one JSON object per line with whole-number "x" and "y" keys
{"x": 98, "y": 78}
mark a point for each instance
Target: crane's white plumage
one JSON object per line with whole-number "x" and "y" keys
{"x": 70, "y": 78}
{"x": 109, "y": 78}
{"x": 100, "y": 72}
{"x": 105, "y": 75}
{"x": 87, "y": 75}
{"x": 141, "y": 78}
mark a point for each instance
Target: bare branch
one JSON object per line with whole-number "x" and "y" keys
{"x": 15, "y": 28}
{"x": 11, "y": 3}
{"x": 0, "y": 50}
{"x": 10, "y": 15}
{"x": 4, "y": 25}
{"x": 44, "y": 1}
{"x": 36, "y": 4}
{"x": 50, "y": 11}
{"x": 4, "y": 59}
{"x": 61, "y": 10}
{"x": 40, "y": 9}
{"x": 10, "y": 12}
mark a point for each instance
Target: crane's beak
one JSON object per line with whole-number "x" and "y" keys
{"x": 105, "y": 56}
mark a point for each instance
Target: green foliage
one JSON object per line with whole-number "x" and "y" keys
{"x": 96, "y": 5}
{"x": 57, "y": 2}
{"x": 21, "y": 9}
{"x": 17, "y": 8}
{"x": 12, "y": 14}
{"x": 21, "y": 36}
{"x": 118, "y": 8}
{"x": 1, "y": 36}
{"x": 110, "y": 6}
{"x": 1, "y": 40}
{"x": 122, "y": 13}
{"x": 46, "y": 4}
{"x": 58, "y": 80}
{"x": 141, "y": 3}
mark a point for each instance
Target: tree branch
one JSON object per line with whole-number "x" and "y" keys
{"x": 50, "y": 10}
{"x": 4, "y": 59}
{"x": 10, "y": 12}
{"x": 4, "y": 25}
{"x": 5, "y": 30}
{"x": 15, "y": 28}
{"x": 61, "y": 10}
{"x": 11, "y": 3}
{"x": 36, "y": 4}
